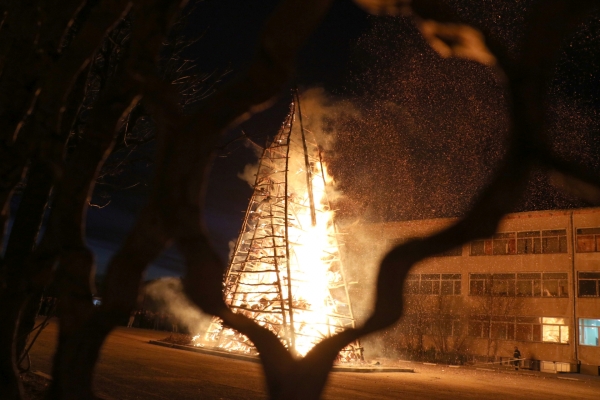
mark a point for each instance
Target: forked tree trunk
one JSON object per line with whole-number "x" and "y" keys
{"x": 35, "y": 77}
{"x": 14, "y": 299}
{"x": 22, "y": 240}
{"x": 76, "y": 268}
{"x": 22, "y": 294}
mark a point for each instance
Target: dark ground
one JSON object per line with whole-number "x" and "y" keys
{"x": 130, "y": 368}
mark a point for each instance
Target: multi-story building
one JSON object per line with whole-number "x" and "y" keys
{"x": 535, "y": 284}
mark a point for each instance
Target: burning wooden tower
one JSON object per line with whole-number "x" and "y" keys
{"x": 286, "y": 272}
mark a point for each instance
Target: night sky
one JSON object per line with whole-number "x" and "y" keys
{"x": 430, "y": 131}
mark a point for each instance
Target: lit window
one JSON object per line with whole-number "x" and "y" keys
{"x": 589, "y": 331}
{"x": 555, "y": 330}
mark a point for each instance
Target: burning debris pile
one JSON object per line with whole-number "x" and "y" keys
{"x": 286, "y": 271}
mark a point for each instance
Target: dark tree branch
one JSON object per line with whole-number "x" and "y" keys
{"x": 63, "y": 240}
{"x": 53, "y": 89}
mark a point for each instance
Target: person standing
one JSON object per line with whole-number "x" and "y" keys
{"x": 516, "y": 357}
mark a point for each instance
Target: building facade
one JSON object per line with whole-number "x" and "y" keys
{"x": 535, "y": 284}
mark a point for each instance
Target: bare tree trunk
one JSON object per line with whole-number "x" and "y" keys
{"x": 64, "y": 238}
{"x": 19, "y": 299}
{"x": 10, "y": 384}
{"x": 24, "y": 235}
{"x": 14, "y": 292}
{"x": 48, "y": 83}
{"x": 28, "y": 218}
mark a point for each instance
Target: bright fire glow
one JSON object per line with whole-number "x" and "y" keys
{"x": 286, "y": 273}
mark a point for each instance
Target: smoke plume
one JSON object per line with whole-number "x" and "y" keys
{"x": 168, "y": 294}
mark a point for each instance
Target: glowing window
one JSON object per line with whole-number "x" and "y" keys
{"x": 555, "y": 330}
{"x": 589, "y": 331}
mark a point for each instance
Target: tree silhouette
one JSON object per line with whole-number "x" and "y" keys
{"x": 41, "y": 68}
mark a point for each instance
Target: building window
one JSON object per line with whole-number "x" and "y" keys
{"x": 492, "y": 284}
{"x": 434, "y": 284}
{"x": 589, "y": 331}
{"x": 479, "y": 284}
{"x": 502, "y": 328}
{"x": 479, "y": 326}
{"x": 525, "y": 285}
{"x": 481, "y": 247}
{"x": 588, "y": 240}
{"x": 529, "y": 242}
{"x": 492, "y": 327}
{"x": 499, "y": 244}
{"x": 589, "y": 284}
{"x": 529, "y": 329}
{"x": 446, "y": 325}
{"x": 504, "y": 243}
{"x": 430, "y": 284}
{"x": 529, "y": 285}
{"x": 554, "y": 241}
{"x": 451, "y": 284}
{"x": 411, "y": 284}
{"x": 503, "y": 285}
{"x": 555, "y": 285}
{"x": 555, "y": 330}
